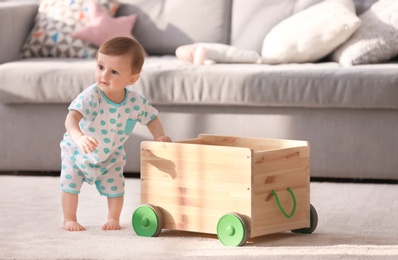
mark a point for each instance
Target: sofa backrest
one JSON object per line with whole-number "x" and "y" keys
{"x": 252, "y": 20}
{"x": 164, "y": 25}
{"x": 362, "y": 5}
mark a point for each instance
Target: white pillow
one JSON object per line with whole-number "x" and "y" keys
{"x": 310, "y": 35}
{"x": 377, "y": 38}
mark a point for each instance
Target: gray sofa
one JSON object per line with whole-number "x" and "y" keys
{"x": 348, "y": 114}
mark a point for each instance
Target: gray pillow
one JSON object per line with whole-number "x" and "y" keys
{"x": 376, "y": 40}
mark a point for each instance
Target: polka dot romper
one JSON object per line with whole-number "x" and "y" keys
{"x": 110, "y": 124}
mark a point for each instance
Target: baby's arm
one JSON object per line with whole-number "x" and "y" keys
{"x": 86, "y": 143}
{"x": 156, "y": 129}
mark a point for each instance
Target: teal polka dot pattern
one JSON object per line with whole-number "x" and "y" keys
{"x": 110, "y": 124}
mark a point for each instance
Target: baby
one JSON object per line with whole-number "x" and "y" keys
{"x": 99, "y": 121}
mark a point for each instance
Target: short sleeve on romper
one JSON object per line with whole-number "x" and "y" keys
{"x": 145, "y": 112}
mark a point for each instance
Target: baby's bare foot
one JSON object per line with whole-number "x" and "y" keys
{"x": 71, "y": 225}
{"x": 111, "y": 224}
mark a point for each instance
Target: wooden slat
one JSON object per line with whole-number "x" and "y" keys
{"x": 195, "y": 184}
{"x": 277, "y": 170}
{"x": 257, "y": 144}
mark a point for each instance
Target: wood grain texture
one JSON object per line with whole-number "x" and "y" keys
{"x": 195, "y": 182}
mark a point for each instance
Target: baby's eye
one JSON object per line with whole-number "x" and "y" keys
{"x": 100, "y": 67}
{"x": 114, "y": 72}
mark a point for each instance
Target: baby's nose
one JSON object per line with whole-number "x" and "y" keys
{"x": 105, "y": 75}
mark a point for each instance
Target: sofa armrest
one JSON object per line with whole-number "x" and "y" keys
{"x": 16, "y": 21}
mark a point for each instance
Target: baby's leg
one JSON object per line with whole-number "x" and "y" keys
{"x": 115, "y": 206}
{"x": 69, "y": 207}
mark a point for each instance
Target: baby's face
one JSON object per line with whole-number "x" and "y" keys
{"x": 113, "y": 73}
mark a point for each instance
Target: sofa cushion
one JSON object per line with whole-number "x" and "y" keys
{"x": 170, "y": 81}
{"x": 43, "y": 80}
{"x": 164, "y": 25}
{"x": 324, "y": 85}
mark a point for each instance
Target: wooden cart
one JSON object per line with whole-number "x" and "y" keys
{"x": 235, "y": 187}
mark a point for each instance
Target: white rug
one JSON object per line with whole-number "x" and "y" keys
{"x": 356, "y": 221}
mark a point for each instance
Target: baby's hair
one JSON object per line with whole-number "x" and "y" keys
{"x": 125, "y": 46}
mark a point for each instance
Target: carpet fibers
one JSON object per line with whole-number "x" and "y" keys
{"x": 356, "y": 221}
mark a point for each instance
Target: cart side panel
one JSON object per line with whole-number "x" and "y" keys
{"x": 194, "y": 185}
{"x": 278, "y": 170}
{"x": 256, "y": 144}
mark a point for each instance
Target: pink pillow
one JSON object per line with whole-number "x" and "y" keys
{"x": 103, "y": 27}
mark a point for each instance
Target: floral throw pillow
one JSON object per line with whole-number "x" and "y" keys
{"x": 55, "y": 22}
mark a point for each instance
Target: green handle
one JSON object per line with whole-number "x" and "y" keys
{"x": 280, "y": 206}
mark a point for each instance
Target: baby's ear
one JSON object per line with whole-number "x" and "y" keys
{"x": 134, "y": 78}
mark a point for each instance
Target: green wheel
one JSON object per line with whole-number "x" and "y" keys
{"x": 147, "y": 221}
{"x": 313, "y": 223}
{"x": 232, "y": 230}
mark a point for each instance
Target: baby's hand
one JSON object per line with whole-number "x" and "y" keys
{"x": 163, "y": 138}
{"x": 87, "y": 143}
